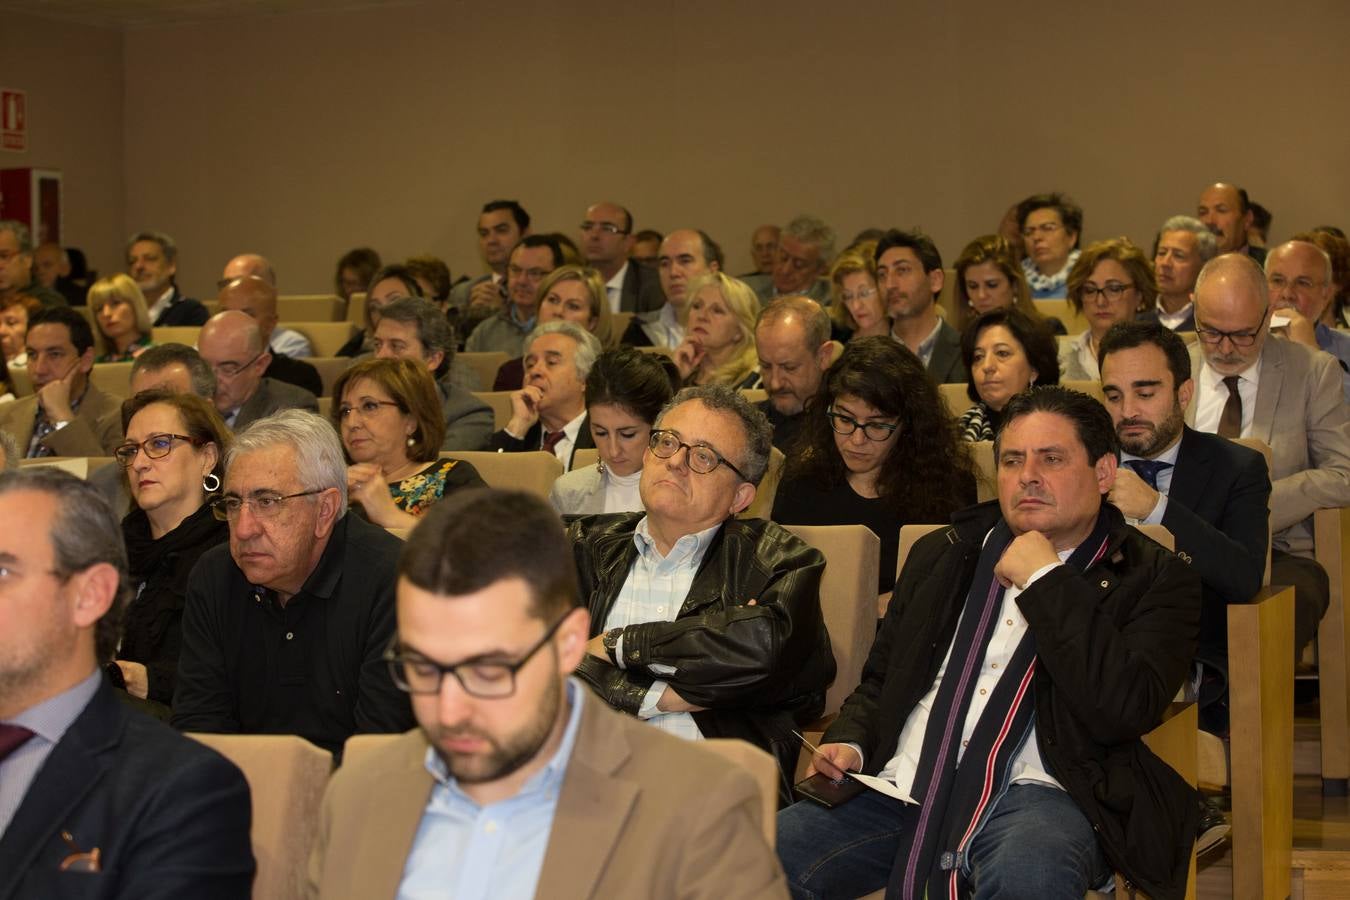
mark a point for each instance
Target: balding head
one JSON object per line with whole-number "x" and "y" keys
{"x": 254, "y": 297}
{"x": 246, "y": 264}
{"x": 1232, "y": 312}
{"x": 1300, "y": 277}
{"x": 1223, "y": 209}
{"x": 231, "y": 343}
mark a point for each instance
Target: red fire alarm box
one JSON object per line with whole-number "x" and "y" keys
{"x": 33, "y": 196}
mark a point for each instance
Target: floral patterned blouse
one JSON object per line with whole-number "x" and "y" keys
{"x": 415, "y": 494}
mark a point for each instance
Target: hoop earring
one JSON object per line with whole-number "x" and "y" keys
{"x": 210, "y": 477}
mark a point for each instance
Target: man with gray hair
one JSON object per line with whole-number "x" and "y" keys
{"x": 706, "y": 625}
{"x": 173, "y": 367}
{"x": 16, "y": 266}
{"x": 152, "y": 262}
{"x": 1183, "y": 247}
{"x": 792, "y": 338}
{"x": 413, "y": 328}
{"x": 285, "y": 627}
{"x": 805, "y": 249}
{"x": 549, "y": 412}
{"x": 1302, "y": 286}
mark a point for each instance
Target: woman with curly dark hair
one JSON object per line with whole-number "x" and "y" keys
{"x": 878, "y": 448}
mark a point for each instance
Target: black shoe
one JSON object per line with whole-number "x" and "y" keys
{"x": 1214, "y": 828}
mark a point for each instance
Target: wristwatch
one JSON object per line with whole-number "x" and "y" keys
{"x": 611, "y": 642}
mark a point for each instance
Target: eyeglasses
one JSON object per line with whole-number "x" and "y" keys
{"x": 860, "y": 294}
{"x": 1112, "y": 290}
{"x": 532, "y": 274}
{"x": 1045, "y": 228}
{"x": 606, "y": 227}
{"x": 265, "y": 506}
{"x": 156, "y": 446}
{"x": 231, "y": 369}
{"x": 1244, "y": 338}
{"x": 484, "y": 680}
{"x": 367, "y": 408}
{"x": 1303, "y": 284}
{"x": 701, "y": 458}
{"x": 873, "y": 431}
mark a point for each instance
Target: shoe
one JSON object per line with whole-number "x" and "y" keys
{"x": 1214, "y": 828}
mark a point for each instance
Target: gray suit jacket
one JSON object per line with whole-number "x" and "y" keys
{"x": 1302, "y": 415}
{"x": 273, "y": 396}
{"x": 468, "y": 420}
{"x": 96, "y": 429}
{"x": 459, "y": 294}
{"x": 946, "y": 365}
{"x": 763, "y": 286}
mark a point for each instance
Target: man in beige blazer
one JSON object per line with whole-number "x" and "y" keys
{"x": 1290, "y": 397}
{"x": 519, "y": 783}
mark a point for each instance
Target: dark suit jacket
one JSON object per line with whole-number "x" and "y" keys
{"x": 946, "y": 365}
{"x": 1151, "y": 315}
{"x": 169, "y": 816}
{"x": 294, "y": 372}
{"x": 641, "y": 289}
{"x": 504, "y": 442}
{"x": 273, "y": 396}
{"x": 182, "y": 311}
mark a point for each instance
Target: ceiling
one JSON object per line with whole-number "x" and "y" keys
{"x": 142, "y": 13}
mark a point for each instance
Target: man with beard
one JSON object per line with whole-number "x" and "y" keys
{"x": 519, "y": 782}
{"x": 910, "y": 278}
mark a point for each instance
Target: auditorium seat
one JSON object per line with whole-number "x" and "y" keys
{"x": 112, "y": 378}
{"x": 484, "y": 365}
{"x": 356, "y": 309}
{"x": 326, "y": 338}
{"x": 534, "y": 471}
{"x": 500, "y": 401}
{"x": 1075, "y": 323}
{"x": 310, "y": 308}
{"x": 762, "y": 505}
{"x": 764, "y": 768}
{"x": 79, "y": 466}
{"x": 330, "y": 368}
{"x": 176, "y": 334}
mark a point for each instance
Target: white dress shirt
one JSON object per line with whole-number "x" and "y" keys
{"x": 290, "y": 343}
{"x": 157, "y": 308}
{"x": 1211, "y": 394}
{"x": 563, "y": 449}
{"x": 1172, "y": 319}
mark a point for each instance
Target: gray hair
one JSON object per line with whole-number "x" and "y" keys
{"x": 319, "y": 462}
{"x": 85, "y": 532}
{"x": 1206, "y": 244}
{"x": 161, "y": 356}
{"x": 588, "y": 345}
{"x": 433, "y": 329}
{"x": 165, "y": 242}
{"x": 815, "y": 321}
{"x": 21, "y": 234}
{"x": 811, "y": 230}
{"x": 755, "y": 425}
{"x": 10, "y": 447}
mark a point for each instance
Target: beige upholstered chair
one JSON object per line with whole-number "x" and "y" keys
{"x": 325, "y": 337}
{"x": 330, "y": 368}
{"x": 310, "y": 308}
{"x": 765, "y": 770}
{"x": 484, "y": 365}
{"x": 534, "y": 471}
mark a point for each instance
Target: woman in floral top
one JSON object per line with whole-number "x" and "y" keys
{"x": 388, "y": 414}
{"x": 121, "y": 319}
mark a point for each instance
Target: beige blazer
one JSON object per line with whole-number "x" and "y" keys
{"x": 96, "y": 429}
{"x": 1302, "y": 415}
{"x": 641, "y": 814}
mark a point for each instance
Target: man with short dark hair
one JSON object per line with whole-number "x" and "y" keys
{"x": 802, "y": 256}
{"x": 1226, "y": 211}
{"x": 910, "y": 278}
{"x": 501, "y": 225}
{"x": 606, "y": 239}
{"x": 96, "y": 798}
{"x": 685, "y": 254}
{"x": 65, "y": 415}
{"x": 16, "y": 266}
{"x": 254, "y": 296}
{"x": 549, "y": 412}
{"x": 792, "y": 338}
{"x": 152, "y": 262}
{"x": 1183, "y": 247}
{"x": 496, "y": 793}
{"x": 531, "y": 261}
{"x": 231, "y": 344}
{"x": 1026, "y": 651}
{"x": 173, "y": 367}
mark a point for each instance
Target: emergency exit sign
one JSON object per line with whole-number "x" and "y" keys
{"x": 13, "y": 120}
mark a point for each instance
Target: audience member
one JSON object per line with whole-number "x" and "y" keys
{"x": 16, "y": 267}
{"x": 96, "y": 798}
{"x": 231, "y": 344}
{"x": 51, "y": 269}
{"x": 121, "y": 319}
{"x": 1286, "y": 394}
{"x": 607, "y": 238}
{"x": 792, "y": 342}
{"x": 1337, "y": 314}
{"x": 988, "y": 277}
{"x": 14, "y": 315}
{"x": 686, "y": 255}
{"x": 355, "y": 268}
{"x": 305, "y": 657}
{"x": 1258, "y": 233}
{"x": 646, "y": 248}
{"x": 1051, "y": 637}
{"x": 433, "y": 276}
{"x": 501, "y": 225}
{"x": 877, "y": 448}
{"x": 388, "y": 414}
{"x": 1006, "y": 353}
{"x": 522, "y": 746}
{"x": 909, "y": 274}
{"x": 387, "y": 285}
{"x": 176, "y": 368}
{"x": 1010, "y": 229}
{"x": 764, "y": 249}
{"x": 1184, "y": 246}
{"x": 1051, "y": 225}
{"x": 705, "y": 625}
{"x": 152, "y": 262}
{"x": 65, "y": 415}
{"x": 549, "y": 412}
{"x": 801, "y": 261}
{"x": 1302, "y": 286}
{"x": 257, "y": 298}
{"x": 1110, "y": 283}
{"x": 625, "y": 391}
{"x": 719, "y": 333}
{"x": 504, "y": 331}
{"x": 857, "y": 308}
{"x": 248, "y": 265}
{"x": 172, "y": 465}
{"x": 413, "y": 328}
{"x": 1226, "y": 211}
{"x": 573, "y": 294}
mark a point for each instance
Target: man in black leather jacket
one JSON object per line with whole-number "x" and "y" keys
{"x": 706, "y": 625}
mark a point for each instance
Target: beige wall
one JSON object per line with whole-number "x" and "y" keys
{"x": 300, "y": 136}
{"x": 74, "y": 76}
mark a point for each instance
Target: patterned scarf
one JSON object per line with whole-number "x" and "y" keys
{"x": 1042, "y": 283}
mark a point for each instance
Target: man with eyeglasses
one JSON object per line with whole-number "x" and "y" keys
{"x": 231, "y": 344}
{"x": 1301, "y": 288}
{"x": 1252, "y": 385}
{"x": 606, "y": 240}
{"x": 284, "y": 627}
{"x": 531, "y": 261}
{"x": 519, "y": 782}
{"x": 801, "y": 259}
{"x": 703, "y": 624}
{"x": 255, "y": 296}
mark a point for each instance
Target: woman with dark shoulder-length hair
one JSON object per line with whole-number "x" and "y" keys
{"x": 1005, "y": 352}
{"x": 878, "y": 448}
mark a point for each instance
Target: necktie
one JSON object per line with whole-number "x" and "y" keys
{"x": 1230, "y": 422}
{"x": 551, "y": 439}
{"x": 1148, "y": 469}
{"x": 12, "y": 737}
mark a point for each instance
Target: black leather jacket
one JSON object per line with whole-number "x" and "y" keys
{"x": 758, "y": 669}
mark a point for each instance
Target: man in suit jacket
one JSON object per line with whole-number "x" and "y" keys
{"x": 65, "y": 415}
{"x": 96, "y": 799}
{"x": 231, "y": 343}
{"x": 501, "y": 225}
{"x": 1184, "y": 246}
{"x": 910, "y": 277}
{"x": 1250, "y": 384}
{"x": 805, "y": 248}
{"x": 685, "y": 254}
{"x": 152, "y": 262}
{"x": 576, "y": 801}
{"x": 606, "y": 239}
{"x": 549, "y": 412}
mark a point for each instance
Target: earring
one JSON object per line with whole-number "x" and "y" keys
{"x": 210, "y": 482}
{"x": 410, "y": 440}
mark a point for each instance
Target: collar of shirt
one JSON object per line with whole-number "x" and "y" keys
{"x": 1168, "y": 456}
{"x": 1173, "y": 319}
{"x": 616, "y": 283}
{"x": 688, "y": 550}
{"x": 323, "y": 581}
{"x": 669, "y": 318}
{"x": 512, "y": 316}
{"x": 571, "y": 429}
{"x": 52, "y": 718}
{"x": 1213, "y": 381}
{"x": 164, "y": 302}
{"x": 926, "y": 345}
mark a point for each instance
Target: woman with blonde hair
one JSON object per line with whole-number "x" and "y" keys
{"x": 719, "y": 333}
{"x": 1111, "y": 282}
{"x": 989, "y": 277}
{"x": 858, "y": 306}
{"x": 121, "y": 319}
{"x": 569, "y": 293}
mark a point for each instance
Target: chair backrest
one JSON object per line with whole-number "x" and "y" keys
{"x": 356, "y": 309}
{"x": 763, "y": 767}
{"x": 326, "y": 338}
{"x": 956, "y": 398}
{"x": 330, "y": 368}
{"x": 1075, "y": 323}
{"x": 112, "y": 378}
{"x": 359, "y": 746}
{"x": 79, "y": 466}
{"x": 286, "y": 776}
{"x": 23, "y": 383}
{"x": 175, "y": 334}
{"x": 619, "y": 322}
{"x": 310, "y": 308}
{"x": 986, "y": 487}
{"x": 534, "y": 471}
{"x": 326, "y": 407}
{"x": 852, "y": 555}
{"x": 500, "y": 401}
{"x": 1264, "y": 449}
{"x": 585, "y": 457}
{"x": 484, "y": 365}
{"x": 762, "y": 505}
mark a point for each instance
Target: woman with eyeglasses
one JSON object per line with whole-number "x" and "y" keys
{"x": 172, "y": 459}
{"x": 1111, "y": 282}
{"x": 878, "y": 448}
{"x": 388, "y": 415}
{"x": 1051, "y": 225}
{"x": 1005, "y": 352}
{"x": 857, "y": 305}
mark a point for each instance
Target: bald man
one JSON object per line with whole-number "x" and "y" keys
{"x": 279, "y": 340}
{"x": 1225, "y": 210}
{"x": 685, "y": 254}
{"x": 255, "y": 296}
{"x": 606, "y": 240}
{"x": 231, "y": 344}
{"x": 1299, "y": 276}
